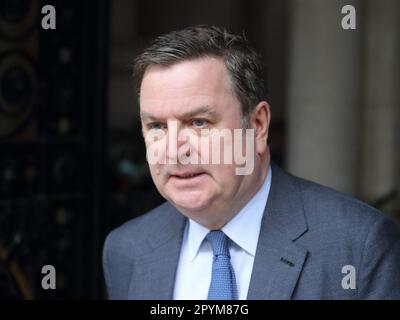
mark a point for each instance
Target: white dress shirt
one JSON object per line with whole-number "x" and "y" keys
{"x": 193, "y": 275}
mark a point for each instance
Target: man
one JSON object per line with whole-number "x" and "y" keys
{"x": 222, "y": 234}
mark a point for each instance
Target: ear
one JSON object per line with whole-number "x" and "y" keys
{"x": 260, "y": 120}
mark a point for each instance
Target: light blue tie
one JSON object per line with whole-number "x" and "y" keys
{"x": 223, "y": 282}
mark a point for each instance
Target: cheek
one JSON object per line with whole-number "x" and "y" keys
{"x": 216, "y": 148}
{"x": 224, "y": 176}
{"x": 156, "y": 175}
{"x": 261, "y": 145}
{"x": 155, "y": 151}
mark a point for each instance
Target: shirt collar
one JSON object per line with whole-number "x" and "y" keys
{"x": 249, "y": 219}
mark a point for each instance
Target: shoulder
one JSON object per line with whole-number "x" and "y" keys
{"x": 324, "y": 206}
{"x": 135, "y": 231}
{"x": 342, "y": 231}
{"x": 129, "y": 241}
{"x": 334, "y": 219}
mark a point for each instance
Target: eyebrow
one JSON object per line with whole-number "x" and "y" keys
{"x": 199, "y": 110}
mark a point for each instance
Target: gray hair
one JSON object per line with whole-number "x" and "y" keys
{"x": 245, "y": 68}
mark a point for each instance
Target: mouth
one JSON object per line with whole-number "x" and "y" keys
{"x": 187, "y": 175}
{"x": 188, "y": 179}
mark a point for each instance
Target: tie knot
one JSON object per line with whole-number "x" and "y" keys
{"x": 219, "y": 242}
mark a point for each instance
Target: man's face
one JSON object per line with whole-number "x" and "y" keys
{"x": 194, "y": 95}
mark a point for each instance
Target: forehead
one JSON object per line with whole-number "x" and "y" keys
{"x": 203, "y": 81}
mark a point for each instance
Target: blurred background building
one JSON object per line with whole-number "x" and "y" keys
{"x": 72, "y": 159}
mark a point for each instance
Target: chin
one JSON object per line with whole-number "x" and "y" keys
{"x": 190, "y": 201}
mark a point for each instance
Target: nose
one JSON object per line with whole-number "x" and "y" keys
{"x": 175, "y": 141}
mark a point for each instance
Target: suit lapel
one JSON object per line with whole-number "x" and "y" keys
{"x": 153, "y": 275}
{"x": 276, "y": 269}
{"x": 279, "y": 260}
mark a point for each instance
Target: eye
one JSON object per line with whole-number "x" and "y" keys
{"x": 199, "y": 123}
{"x": 155, "y": 125}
